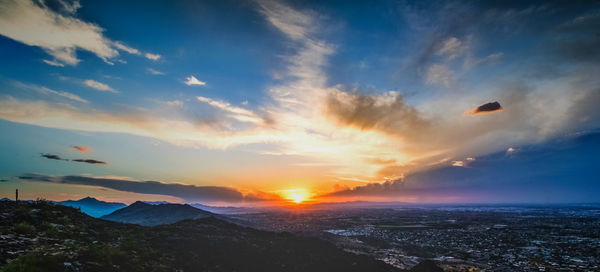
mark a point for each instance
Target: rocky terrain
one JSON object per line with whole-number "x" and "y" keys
{"x": 41, "y": 236}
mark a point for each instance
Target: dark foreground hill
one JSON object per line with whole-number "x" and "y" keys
{"x": 41, "y": 236}
{"x": 93, "y": 207}
{"x": 152, "y": 215}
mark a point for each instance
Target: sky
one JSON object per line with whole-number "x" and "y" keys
{"x": 248, "y": 102}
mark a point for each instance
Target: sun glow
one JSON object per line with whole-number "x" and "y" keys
{"x": 296, "y": 195}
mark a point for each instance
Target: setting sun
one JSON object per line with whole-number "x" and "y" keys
{"x": 296, "y": 195}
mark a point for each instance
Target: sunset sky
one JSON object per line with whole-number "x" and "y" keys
{"x": 244, "y": 102}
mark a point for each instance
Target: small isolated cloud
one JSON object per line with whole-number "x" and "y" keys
{"x": 191, "y": 80}
{"x": 82, "y": 148}
{"x": 152, "y": 56}
{"x": 53, "y": 63}
{"x": 154, "y": 72}
{"x": 90, "y": 161}
{"x": 99, "y": 86}
{"x": 187, "y": 192}
{"x": 458, "y": 163}
{"x": 52, "y": 157}
{"x": 486, "y": 108}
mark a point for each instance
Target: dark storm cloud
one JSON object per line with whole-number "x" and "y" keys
{"x": 52, "y": 157}
{"x": 487, "y": 108}
{"x": 90, "y": 161}
{"x": 186, "y": 192}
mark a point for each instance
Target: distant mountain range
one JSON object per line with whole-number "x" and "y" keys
{"x": 145, "y": 214}
{"x": 93, "y": 207}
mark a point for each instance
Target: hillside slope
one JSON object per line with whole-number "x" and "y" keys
{"x": 41, "y": 236}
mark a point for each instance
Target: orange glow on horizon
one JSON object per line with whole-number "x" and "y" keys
{"x": 296, "y": 195}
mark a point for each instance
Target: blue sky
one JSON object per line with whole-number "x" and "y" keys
{"x": 269, "y": 96}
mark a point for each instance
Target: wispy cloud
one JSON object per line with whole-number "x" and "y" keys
{"x": 238, "y": 113}
{"x": 440, "y": 74}
{"x": 99, "y": 86}
{"x": 175, "y": 103}
{"x": 154, "y": 72}
{"x": 53, "y": 63}
{"x": 452, "y": 48}
{"x": 192, "y": 80}
{"x": 48, "y": 91}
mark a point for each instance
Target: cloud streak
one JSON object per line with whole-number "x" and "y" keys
{"x": 187, "y": 192}
{"x": 52, "y": 157}
{"x": 99, "y": 86}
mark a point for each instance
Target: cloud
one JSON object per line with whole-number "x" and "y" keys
{"x": 54, "y": 28}
{"x": 452, "y": 48}
{"x": 237, "y": 113}
{"x": 387, "y": 113}
{"x": 48, "y": 91}
{"x": 126, "y": 48}
{"x": 487, "y": 108}
{"x": 82, "y": 148}
{"x": 60, "y": 35}
{"x": 52, "y": 157}
{"x": 53, "y": 63}
{"x": 458, "y": 163}
{"x": 99, "y": 86}
{"x": 154, "y": 72}
{"x": 339, "y": 126}
{"x": 490, "y": 59}
{"x": 175, "y": 103}
{"x": 191, "y": 80}
{"x": 152, "y": 56}
{"x": 439, "y": 74}
{"x": 186, "y": 192}
{"x": 90, "y": 161}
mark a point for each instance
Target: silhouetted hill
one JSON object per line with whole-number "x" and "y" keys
{"x": 145, "y": 214}
{"x": 93, "y": 207}
{"x": 41, "y": 236}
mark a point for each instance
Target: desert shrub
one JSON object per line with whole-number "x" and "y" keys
{"x": 36, "y": 261}
{"x": 24, "y": 228}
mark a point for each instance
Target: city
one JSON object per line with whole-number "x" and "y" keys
{"x": 461, "y": 238}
